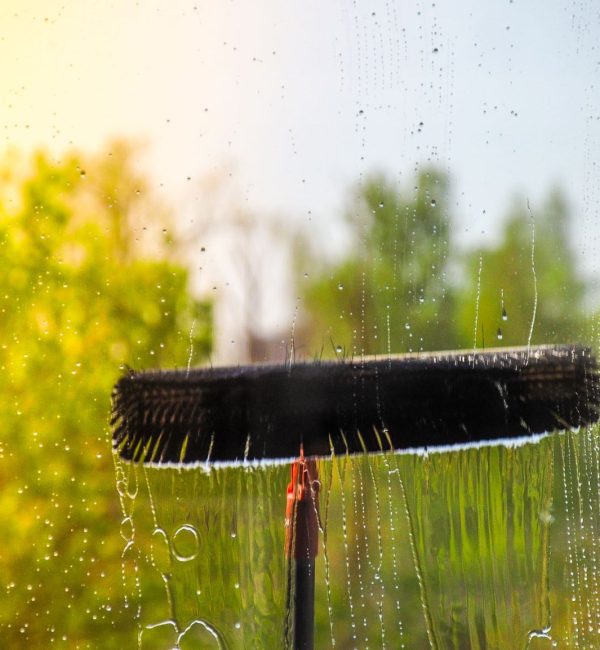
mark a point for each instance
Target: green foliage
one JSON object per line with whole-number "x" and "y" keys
{"x": 390, "y": 292}
{"x": 78, "y": 300}
{"x": 531, "y": 268}
{"x": 405, "y": 286}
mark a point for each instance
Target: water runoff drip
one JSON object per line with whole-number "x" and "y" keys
{"x": 303, "y": 411}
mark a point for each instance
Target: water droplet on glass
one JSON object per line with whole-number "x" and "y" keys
{"x": 340, "y": 286}
{"x": 185, "y": 543}
{"x": 499, "y": 334}
{"x": 504, "y": 314}
{"x": 433, "y": 203}
{"x": 127, "y": 529}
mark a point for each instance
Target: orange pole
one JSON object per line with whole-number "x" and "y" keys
{"x": 301, "y": 548}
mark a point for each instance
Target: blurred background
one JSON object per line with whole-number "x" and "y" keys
{"x": 220, "y": 183}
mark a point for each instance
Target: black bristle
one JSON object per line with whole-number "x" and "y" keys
{"x": 268, "y": 411}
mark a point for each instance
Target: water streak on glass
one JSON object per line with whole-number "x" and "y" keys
{"x": 481, "y": 547}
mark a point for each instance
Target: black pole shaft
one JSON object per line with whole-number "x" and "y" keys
{"x": 303, "y": 604}
{"x": 301, "y": 548}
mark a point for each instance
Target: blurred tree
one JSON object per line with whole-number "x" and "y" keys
{"x": 390, "y": 292}
{"x": 531, "y": 269}
{"x": 79, "y": 298}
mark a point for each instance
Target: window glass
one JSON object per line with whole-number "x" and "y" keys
{"x": 219, "y": 184}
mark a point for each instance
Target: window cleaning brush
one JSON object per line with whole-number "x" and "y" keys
{"x": 362, "y": 405}
{"x": 308, "y": 409}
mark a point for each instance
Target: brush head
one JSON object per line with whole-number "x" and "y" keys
{"x": 401, "y": 402}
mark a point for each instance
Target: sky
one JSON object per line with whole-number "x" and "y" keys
{"x": 294, "y": 102}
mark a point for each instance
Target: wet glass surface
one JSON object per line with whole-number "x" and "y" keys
{"x": 207, "y": 184}
{"x": 482, "y": 547}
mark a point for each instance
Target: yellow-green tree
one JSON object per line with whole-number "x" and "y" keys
{"x": 79, "y": 299}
